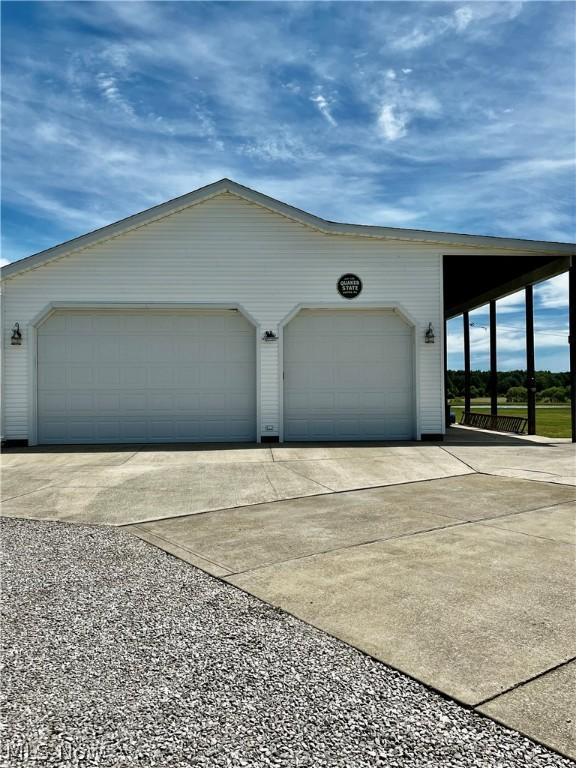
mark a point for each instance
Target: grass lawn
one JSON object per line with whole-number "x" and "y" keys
{"x": 551, "y": 421}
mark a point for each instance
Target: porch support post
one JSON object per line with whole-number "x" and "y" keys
{"x": 445, "y": 364}
{"x": 467, "y": 399}
{"x": 530, "y": 374}
{"x": 572, "y": 342}
{"x": 493, "y": 361}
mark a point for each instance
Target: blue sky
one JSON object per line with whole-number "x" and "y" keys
{"x": 455, "y": 116}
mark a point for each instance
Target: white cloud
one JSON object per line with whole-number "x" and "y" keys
{"x": 400, "y": 106}
{"x": 282, "y": 147}
{"x": 324, "y": 106}
{"x": 108, "y": 86}
{"x": 391, "y": 123}
{"x": 513, "y": 303}
{"x": 462, "y": 17}
{"x": 393, "y": 216}
{"x": 476, "y": 18}
{"x": 553, "y": 294}
{"x": 417, "y": 38}
{"x": 84, "y": 218}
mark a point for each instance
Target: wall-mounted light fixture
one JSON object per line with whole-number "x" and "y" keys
{"x": 16, "y": 338}
{"x": 429, "y": 335}
{"x": 270, "y": 336}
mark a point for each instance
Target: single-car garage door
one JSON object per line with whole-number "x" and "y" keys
{"x": 348, "y": 375}
{"x": 146, "y": 376}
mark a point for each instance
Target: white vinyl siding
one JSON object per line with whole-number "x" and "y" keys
{"x": 230, "y": 251}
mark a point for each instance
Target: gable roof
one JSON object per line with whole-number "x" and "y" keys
{"x": 295, "y": 214}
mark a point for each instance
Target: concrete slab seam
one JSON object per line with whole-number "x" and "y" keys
{"x": 179, "y": 546}
{"x": 525, "y": 682}
{"x": 35, "y": 490}
{"x": 535, "y": 471}
{"x": 531, "y": 535}
{"x": 321, "y": 485}
{"x": 331, "y": 492}
{"x": 353, "y": 546}
{"x": 462, "y": 461}
{"x": 456, "y": 524}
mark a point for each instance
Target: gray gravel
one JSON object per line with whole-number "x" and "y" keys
{"x": 118, "y": 655}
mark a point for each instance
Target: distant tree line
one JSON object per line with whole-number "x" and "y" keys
{"x": 550, "y": 387}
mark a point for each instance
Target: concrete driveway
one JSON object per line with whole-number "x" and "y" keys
{"x": 453, "y": 563}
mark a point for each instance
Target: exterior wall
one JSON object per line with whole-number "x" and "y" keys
{"x": 228, "y": 250}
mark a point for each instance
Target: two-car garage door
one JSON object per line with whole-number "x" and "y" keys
{"x": 164, "y": 376}
{"x": 146, "y": 376}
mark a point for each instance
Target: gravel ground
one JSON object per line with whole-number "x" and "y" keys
{"x": 116, "y": 654}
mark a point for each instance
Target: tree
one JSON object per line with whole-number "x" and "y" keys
{"x": 517, "y": 395}
{"x": 554, "y": 395}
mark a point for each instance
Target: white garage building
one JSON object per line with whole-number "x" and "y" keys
{"x": 226, "y": 315}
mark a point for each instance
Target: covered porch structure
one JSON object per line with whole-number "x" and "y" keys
{"x": 472, "y": 281}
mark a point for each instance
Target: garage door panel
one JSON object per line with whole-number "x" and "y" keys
{"x": 80, "y": 376}
{"x": 348, "y": 375}
{"x": 185, "y": 376}
{"x": 350, "y": 402}
{"x": 107, "y": 402}
{"x": 52, "y": 347}
{"x": 237, "y": 402}
{"x": 374, "y": 403}
{"x": 133, "y": 431}
{"x": 373, "y": 428}
{"x": 51, "y": 377}
{"x": 395, "y": 404}
{"x": 146, "y": 376}
{"x": 162, "y": 376}
{"x": 107, "y": 377}
{"x": 107, "y": 350}
{"x": 108, "y": 431}
{"x": 55, "y": 402}
{"x": 242, "y": 376}
{"x": 132, "y": 376}
{"x": 81, "y": 401}
{"x": 135, "y": 350}
{"x": 161, "y": 402}
{"x": 80, "y": 430}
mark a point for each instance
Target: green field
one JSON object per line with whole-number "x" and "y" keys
{"x": 551, "y": 421}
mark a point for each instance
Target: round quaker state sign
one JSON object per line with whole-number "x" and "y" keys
{"x": 349, "y": 286}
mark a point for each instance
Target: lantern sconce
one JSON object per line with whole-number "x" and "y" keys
{"x": 429, "y": 335}
{"x": 16, "y": 338}
{"x": 270, "y": 336}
